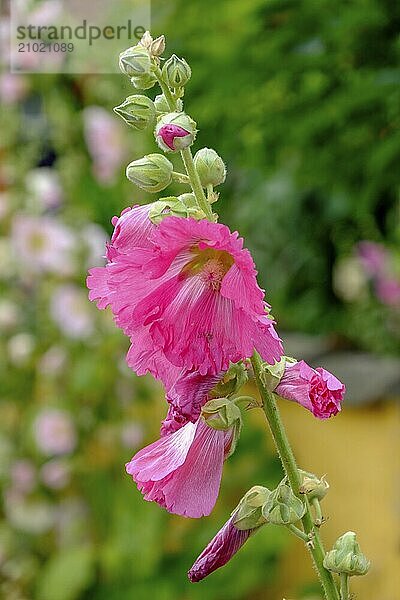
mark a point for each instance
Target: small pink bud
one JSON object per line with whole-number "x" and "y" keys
{"x": 168, "y": 133}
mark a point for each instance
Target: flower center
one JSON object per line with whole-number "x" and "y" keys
{"x": 210, "y": 265}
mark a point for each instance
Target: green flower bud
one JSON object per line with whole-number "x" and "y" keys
{"x": 155, "y": 47}
{"x": 248, "y": 513}
{"x": 190, "y": 201}
{"x": 135, "y": 61}
{"x": 234, "y": 378}
{"x": 283, "y": 507}
{"x": 167, "y": 207}
{"x": 210, "y": 167}
{"x": 312, "y": 486}
{"x": 162, "y": 105}
{"x": 151, "y": 173}
{"x": 222, "y": 414}
{"x": 272, "y": 374}
{"x": 137, "y": 111}
{"x": 176, "y": 72}
{"x": 175, "y": 131}
{"x": 346, "y": 556}
{"x": 144, "y": 82}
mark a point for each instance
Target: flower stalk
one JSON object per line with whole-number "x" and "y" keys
{"x": 289, "y": 464}
{"x": 186, "y": 153}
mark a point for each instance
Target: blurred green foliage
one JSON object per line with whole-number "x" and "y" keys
{"x": 302, "y": 100}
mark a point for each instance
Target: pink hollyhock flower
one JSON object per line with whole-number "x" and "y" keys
{"x": 219, "y": 551}
{"x": 316, "y": 389}
{"x": 182, "y": 471}
{"x": 190, "y": 295}
{"x": 54, "y": 432}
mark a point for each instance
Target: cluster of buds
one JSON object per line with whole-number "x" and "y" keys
{"x": 174, "y": 130}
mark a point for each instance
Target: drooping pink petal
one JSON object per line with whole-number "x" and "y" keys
{"x": 182, "y": 471}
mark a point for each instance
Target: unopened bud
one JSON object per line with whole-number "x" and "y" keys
{"x": 272, "y": 374}
{"x": 152, "y": 173}
{"x": 135, "y": 61}
{"x": 248, "y": 513}
{"x": 137, "y": 111}
{"x": 220, "y": 413}
{"x": 175, "y": 131}
{"x": 346, "y": 556}
{"x": 176, "y": 72}
{"x": 144, "y": 82}
{"x": 167, "y": 207}
{"x": 162, "y": 105}
{"x": 234, "y": 378}
{"x": 155, "y": 47}
{"x": 283, "y": 507}
{"x": 210, "y": 167}
{"x": 312, "y": 486}
{"x": 223, "y": 415}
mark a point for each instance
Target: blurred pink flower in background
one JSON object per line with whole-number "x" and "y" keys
{"x": 23, "y": 475}
{"x": 378, "y": 263}
{"x": 13, "y": 88}
{"x": 105, "y": 142}
{"x": 55, "y": 474}
{"x": 44, "y": 187}
{"x": 43, "y": 244}
{"x": 53, "y": 361}
{"x": 54, "y": 432}
{"x": 71, "y": 312}
{"x": 387, "y": 290}
{"x": 373, "y": 257}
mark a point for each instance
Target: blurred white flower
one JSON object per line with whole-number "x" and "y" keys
{"x": 71, "y": 311}
{"x": 44, "y": 188}
{"x": 32, "y": 516}
{"x": 9, "y": 315}
{"x": 131, "y": 435}
{"x": 43, "y": 244}
{"x": 55, "y": 474}
{"x": 53, "y": 361}
{"x": 105, "y": 142}
{"x": 20, "y": 348}
{"x": 349, "y": 280}
{"x": 54, "y": 432}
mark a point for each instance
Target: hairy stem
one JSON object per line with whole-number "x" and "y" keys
{"x": 289, "y": 464}
{"x": 186, "y": 154}
{"x": 344, "y": 587}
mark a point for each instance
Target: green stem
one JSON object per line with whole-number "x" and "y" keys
{"x": 344, "y": 586}
{"x": 289, "y": 464}
{"x": 186, "y": 154}
{"x": 298, "y": 532}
